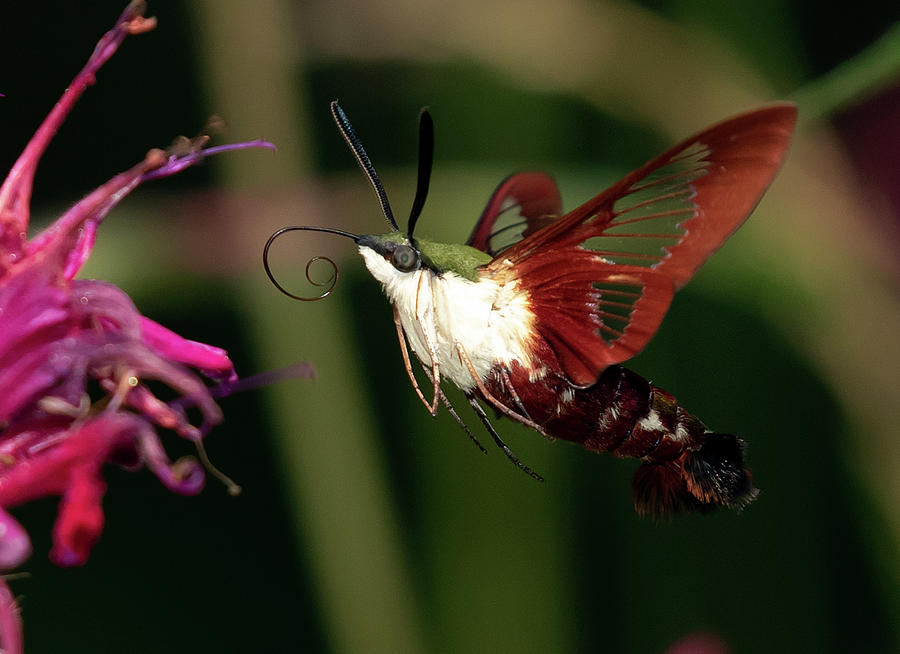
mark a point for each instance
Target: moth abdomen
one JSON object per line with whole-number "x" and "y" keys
{"x": 685, "y": 466}
{"x": 713, "y": 475}
{"x": 535, "y": 312}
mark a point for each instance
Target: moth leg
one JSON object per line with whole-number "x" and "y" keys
{"x": 452, "y": 411}
{"x": 427, "y": 323}
{"x": 503, "y": 446}
{"x": 507, "y": 382}
{"x": 435, "y": 379}
{"x": 515, "y": 415}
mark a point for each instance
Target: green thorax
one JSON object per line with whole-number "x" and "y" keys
{"x": 447, "y": 257}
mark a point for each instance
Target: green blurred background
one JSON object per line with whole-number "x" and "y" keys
{"x": 365, "y": 525}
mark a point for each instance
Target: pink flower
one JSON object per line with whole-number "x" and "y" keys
{"x": 75, "y": 355}
{"x": 10, "y": 621}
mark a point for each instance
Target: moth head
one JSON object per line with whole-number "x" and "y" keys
{"x": 388, "y": 254}
{"x": 395, "y": 249}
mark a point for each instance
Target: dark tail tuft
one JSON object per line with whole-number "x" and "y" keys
{"x": 700, "y": 480}
{"x": 659, "y": 490}
{"x": 715, "y": 473}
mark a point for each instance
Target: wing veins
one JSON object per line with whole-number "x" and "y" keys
{"x": 654, "y": 200}
{"x": 507, "y": 228}
{"x": 612, "y": 291}
{"x": 638, "y": 235}
{"x": 699, "y": 191}
{"x": 665, "y": 179}
{"x": 609, "y": 330}
{"x": 610, "y": 303}
{"x": 612, "y": 316}
{"x": 626, "y": 255}
{"x": 651, "y": 216}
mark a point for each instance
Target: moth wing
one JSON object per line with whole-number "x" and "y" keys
{"x": 520, "y": 205}
{"x": 593, "y": 313}
{"x": 601, "y": 277}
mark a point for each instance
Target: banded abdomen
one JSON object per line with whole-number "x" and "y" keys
{"x": 685, "y": 466}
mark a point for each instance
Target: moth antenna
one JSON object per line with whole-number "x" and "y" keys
{"x": 330, "y": 283}
{"x": 426, "y": 160}
{"x": 359, "y": 152}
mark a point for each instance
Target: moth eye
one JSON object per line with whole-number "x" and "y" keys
{"x": 404, "y": 258}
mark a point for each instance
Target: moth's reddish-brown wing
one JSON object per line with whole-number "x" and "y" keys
{"x": 601, "y": 277}
{"x": 520, "y": 205}
{"x": 592, "y": 313}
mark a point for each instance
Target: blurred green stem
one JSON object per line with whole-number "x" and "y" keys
{"x": 349, "y": 529}
{"x": 853, "y": 80}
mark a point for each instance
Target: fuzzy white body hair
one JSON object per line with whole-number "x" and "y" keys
{"x": 491, "y": 321}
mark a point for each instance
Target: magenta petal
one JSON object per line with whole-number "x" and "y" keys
{"x": 105, "y": 305}
{"x": 32, "y": 374}
{"x": 160, "y": 413}
{"x": 185, "y": 476}
{"x": 67, "y": 243}
{"x": 15, "y": 546}
{"x": 48, "y": 472}
{"x": 15, "y": 194}
{"x": 79, "y": 365}
{"x": 146, "y": 364}
{"x": 178, "y": 162}
{"x": 11, "y": 639}
{"x": 32, "y": 319}
{"x": 212, "y": 360}
{"x": 80, "y": 519}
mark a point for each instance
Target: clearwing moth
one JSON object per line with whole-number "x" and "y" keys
{"x": 535, "y": 313}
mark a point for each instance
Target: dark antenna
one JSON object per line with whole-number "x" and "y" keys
{"x": 426, "y": 159}
{"x": 363, "y": 160}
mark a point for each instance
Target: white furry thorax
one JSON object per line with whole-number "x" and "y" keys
{"x": 493, "y": 322}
